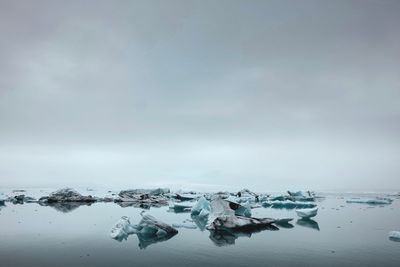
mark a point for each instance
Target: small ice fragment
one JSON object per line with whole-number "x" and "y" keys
{"x": 307, "y": 213}
{"x": 184, "y": 225}
{"x": 394, "y": 236}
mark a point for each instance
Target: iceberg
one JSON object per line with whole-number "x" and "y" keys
{"x": 67, "y": 195}
{"x": 186, "y": 197}
{"x": 300, "y": 196}
{"x": 152, "y": 192}
{"x": 143, "y": 198}
{"x": 21, "y": 199}
{"x": 240, "y": 209}
{"x": 223, "y": 216}
{"x": 240, "y": 223}
{"x": 371, "y": 201}
{"x": 3, "y": 199}
{"x": 307, "y": 213}
{"x": 394, "y": 236}
{"x": 122, "y": 229}
{"x": 202, "y": 208}
{"x": 149, "y": 230}
{"x": 245, "y": 195}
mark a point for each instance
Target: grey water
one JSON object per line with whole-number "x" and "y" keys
{"x": 340, "y": 235}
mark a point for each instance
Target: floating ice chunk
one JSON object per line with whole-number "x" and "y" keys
{"x": 242, "y": 210}
{"x": 131, "y": 193}
{"x": 187, "y": 225}
{"x": 151, "y": 226}
{"x": 202, "y": 207}
{"x": 3, "y": 199}
{"x": 181, "y": 207}
{"x": 144, "y": 198}
{"x": 220, "y": 207}
{"x": 186, "y": 197}
{"x": 307, "y": 213}
{"x": 149, "y": 230}
{"x": 122, "y": 229}
{"x": 67, "y": 195}
{"x": 238, "y": 222}
{"x": 371, "y": 201}
{"x": 288, "y": 204}
{"x": 394, "y": 236}
{"x": 301, "y": 196}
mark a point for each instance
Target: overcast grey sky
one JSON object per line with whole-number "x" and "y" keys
{"x": 268, "y": 95}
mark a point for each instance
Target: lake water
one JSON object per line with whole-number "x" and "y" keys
{"x": 341, "y": 235}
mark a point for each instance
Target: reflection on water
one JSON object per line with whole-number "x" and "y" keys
{"x": 308, "y": 223}
{"x": 147, "y": 240}
{"x": 285, "y": 224}
{"x": 201, "y": 222}
{"x": 65, "y": 207}
{"x": 139, "y": 205}
{"x": 227, "y": 237}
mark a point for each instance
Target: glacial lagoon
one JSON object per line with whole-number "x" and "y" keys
{"x": 68, "y": 234}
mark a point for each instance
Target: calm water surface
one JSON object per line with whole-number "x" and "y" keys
{"x": 341, "y": 235}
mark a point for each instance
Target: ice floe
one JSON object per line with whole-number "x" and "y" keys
{"x": 307, "y": 213}
{"x": 371, "y": 201}
{"x": 288, "y": 204}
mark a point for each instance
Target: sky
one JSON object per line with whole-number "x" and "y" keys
{"x": 265, "y": 95}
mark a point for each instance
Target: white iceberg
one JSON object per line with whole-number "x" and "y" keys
{"x": 149, "y": 230}
{"x": 202, "y": 207}
{"x": 122, "y": 229}
{"x": 394, "y": 236}
{"x": 307, "y": 213}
